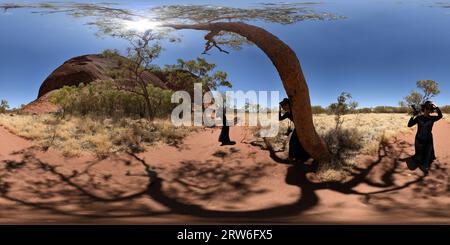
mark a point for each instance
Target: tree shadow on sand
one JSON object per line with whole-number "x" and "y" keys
{"x": 88, "y": 193}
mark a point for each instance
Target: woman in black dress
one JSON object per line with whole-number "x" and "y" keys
{"x": 224, "y": 136}
{"x": 424, "y": 149}
{"x": 296, "y": 150}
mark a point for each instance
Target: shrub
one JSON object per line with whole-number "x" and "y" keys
{"x": 343, "y": 144}
{"x": 111, "y": 53}
{"x": 4, "y": 106}
{"x": 104, "y": 99}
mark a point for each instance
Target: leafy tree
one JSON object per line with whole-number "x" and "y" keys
{"x": 428, "y": 90}
{"x": 65, "y": 97}
{"x": 343, "y": 143}
{"x": 342, "y": 107}
{"x": 131, "y": 76}
{"x": 185, "y": 73}
{"x": 4, "y": 106}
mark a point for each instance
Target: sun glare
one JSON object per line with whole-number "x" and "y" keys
{"x": 141, "y": 25}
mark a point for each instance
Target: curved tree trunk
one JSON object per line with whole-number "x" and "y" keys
{"x": 288, "y": 66}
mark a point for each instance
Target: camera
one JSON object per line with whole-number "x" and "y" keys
{"x": 289, "y": 131}
{"x": 415, "y": 110}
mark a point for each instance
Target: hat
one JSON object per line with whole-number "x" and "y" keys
{"x": 285, "y": 101}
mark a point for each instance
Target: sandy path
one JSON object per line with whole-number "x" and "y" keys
{"x": 200, "y": 181}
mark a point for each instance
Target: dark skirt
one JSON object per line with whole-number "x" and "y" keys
{"x": 225, "y": 134}
{"x": 296, "y": 150}
{"x": 424, "y": 155}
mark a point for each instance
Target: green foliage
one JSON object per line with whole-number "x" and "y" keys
{"x": 342, "y": 143}
{"x": 109, "y": 18}
{"x": 111, "y": 53}
{"x": 390, "y": 109}
{"x": 131, "y": 73}
{"x": 377, "y": 109}
{"x": 4, "y": 106}
{"x": 428, "y": 88}
{"x": 283, "y": 13}
{"x": 180, "y": 74}
{"x": 364, "y": 110}
{"x": 413, "y": 98}
{"x": 66, "y": 97}
{"x": 104, "y": 99}
{"x": 342, "y": 107}
{"x": 318, "y": 109}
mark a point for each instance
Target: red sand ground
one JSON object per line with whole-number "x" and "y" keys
{"x": 202, "y": 182}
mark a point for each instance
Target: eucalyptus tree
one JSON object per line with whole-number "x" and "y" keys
{"x": 428, "y": 89}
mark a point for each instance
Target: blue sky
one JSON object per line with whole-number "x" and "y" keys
{"x": 377, "y": 53}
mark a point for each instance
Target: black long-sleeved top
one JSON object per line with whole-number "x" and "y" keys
{"x": 284, "y": 116}
{"x": 424, "y": 124}
{"x": 221, "y": 113}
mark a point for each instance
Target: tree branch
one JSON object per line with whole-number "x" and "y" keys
{"x": 210, "y": 42}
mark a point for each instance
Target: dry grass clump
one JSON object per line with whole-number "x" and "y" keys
{"x": 359, "y": 134}
{"x": 102, "y": 137}
{"x": 344, "y": 144}
{"x": 373, "y": 127}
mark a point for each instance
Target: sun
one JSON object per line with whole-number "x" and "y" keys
{"x": 141, "y": 25}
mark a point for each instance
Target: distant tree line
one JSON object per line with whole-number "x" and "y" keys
{"x": 427, "y": 89}
{"x": 377, "y": 109}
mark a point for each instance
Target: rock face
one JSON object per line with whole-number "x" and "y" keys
{"x": 86, "y": 69}
{"x": 41, "y": 105}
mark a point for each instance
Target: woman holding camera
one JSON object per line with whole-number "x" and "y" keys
{"x": 424, "y": 150}
{"x": 296, "y": 150}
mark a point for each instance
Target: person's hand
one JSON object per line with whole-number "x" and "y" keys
{"x": 415, "y": 113}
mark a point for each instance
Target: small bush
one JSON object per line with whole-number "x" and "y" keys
{"x": 343, "y": 144}
{"x": 4, "y": 106}
{"x": 111, "y": 53}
